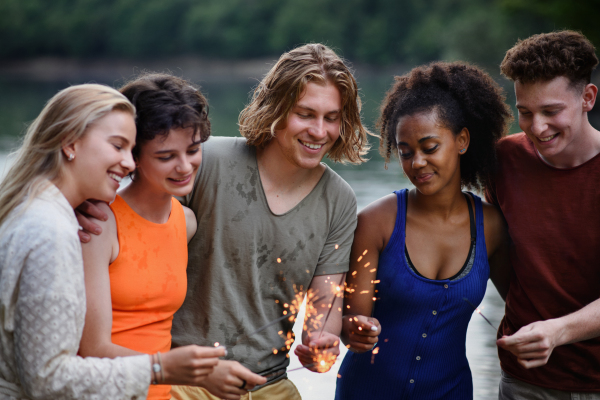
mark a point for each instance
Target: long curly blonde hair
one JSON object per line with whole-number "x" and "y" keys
{"x": 64, "y": 120}
{"x": 281, "y": 88}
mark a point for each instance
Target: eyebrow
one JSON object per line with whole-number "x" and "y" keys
{"x": 545, "y": 105}
{"x": 122, "y": 138}
{"x": 313, "y": 110}
{"x": 420, "y": 140}
{"x": 171, "y": 150}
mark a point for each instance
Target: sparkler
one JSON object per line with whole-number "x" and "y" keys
{"x": 479, "y": 312}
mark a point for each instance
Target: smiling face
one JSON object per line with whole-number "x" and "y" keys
{"x": 102, "y": 156}
{"x": 553, "y": 116}
{"x": 168, "y": 164}
{"x": 312, "y": 127}
{"x": 429, "y": 152}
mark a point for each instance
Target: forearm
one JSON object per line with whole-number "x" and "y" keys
{"x": 106, "y": 350}
{"x": 580, "y": 325}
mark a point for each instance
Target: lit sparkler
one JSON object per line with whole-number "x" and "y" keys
{"x": 479, "y": 312}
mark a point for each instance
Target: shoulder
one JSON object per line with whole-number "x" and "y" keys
{"x": 380, "y": 210}
{"x": 225, "y": 145}
{"x": 495, "y": 228}
{"x": 336, "y": 185}
{"x": 511, "y": 143}
{"x": 191, "y": 223}
{"x": 108, "y": 240}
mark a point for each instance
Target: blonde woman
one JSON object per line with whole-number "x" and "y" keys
{"x": 79, "y": 147}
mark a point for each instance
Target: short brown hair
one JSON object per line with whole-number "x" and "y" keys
{"x": 281, "y": 88}
{"x": 546, "y": 56}
{"x": 164, "y": 102}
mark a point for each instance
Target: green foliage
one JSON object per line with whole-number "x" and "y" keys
{"x": 371, "y": 31}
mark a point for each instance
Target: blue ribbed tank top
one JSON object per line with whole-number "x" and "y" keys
{"x": 422, "y": 351}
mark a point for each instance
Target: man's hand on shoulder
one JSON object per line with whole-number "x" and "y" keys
{"x": 84, "y": 213}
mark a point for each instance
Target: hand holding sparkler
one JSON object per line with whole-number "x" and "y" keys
{"x": 230, "y": 380}
{"x": 319, "y": 354}
{"x": 360, "y": 333}
{"x": 533, "y": 344}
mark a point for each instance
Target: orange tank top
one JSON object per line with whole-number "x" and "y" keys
{"x": 148, "y": 281}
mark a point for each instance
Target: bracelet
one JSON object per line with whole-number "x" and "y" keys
{"x": 156, "y": 368}
{"x": 162, "y": 371}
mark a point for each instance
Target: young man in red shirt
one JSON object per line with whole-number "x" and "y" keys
{"x": 547, "y": 187}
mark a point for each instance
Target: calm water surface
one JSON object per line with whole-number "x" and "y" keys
{"x": 21, "y": 101}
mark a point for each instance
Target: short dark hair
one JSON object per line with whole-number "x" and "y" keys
{"x": 546, "y": 56}
{"x": 164, "y": 102}
{"x": 462, "y": 96}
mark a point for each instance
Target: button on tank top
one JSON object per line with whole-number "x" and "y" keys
{"x": 422, "y": 352}
{"x": 148, "y": 281}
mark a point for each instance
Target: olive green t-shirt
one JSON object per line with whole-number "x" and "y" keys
{"x": 246, "y": 262}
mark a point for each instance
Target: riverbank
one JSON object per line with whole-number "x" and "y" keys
{"x": 56, "y": 69}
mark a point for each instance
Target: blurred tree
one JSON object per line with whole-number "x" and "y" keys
{"x": 370, "y": 31}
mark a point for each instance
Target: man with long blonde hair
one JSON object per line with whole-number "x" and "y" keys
{"x": 274, "y": 223}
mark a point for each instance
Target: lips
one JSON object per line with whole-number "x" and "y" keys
{"x": 424, "y": 177}
{"x": 547, "y": 138}
{"x": 181, "y": 181}
{"x": 312, "y": 146}
{"x": 116, "y": 177}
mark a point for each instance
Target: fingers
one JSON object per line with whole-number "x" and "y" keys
{"x": 88, "y": 227}
{"x": 90, "y": 209}
{"x": 250, "y": 377}
{"x": 365, "y": 326}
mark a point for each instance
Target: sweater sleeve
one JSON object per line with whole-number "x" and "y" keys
{"x": 49, "y": 317}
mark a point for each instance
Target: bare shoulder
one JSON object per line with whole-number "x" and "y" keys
{"x": 191, "y": 224}
{"x": 106, "y": 244}
{"x": 495, "y": 228}
{"x": 377, "y": 220}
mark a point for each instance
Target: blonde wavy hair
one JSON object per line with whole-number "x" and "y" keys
{"x": 281, "y": 88}
{"x": 64, "y": 120}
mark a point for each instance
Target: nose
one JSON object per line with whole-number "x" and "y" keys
{"x": 127, "y": 162}
{"x": 318, "y": 130}
{"x": 538, "y": 125}
{"x": 418, "y": 161}
{"x": 183, "y": 166}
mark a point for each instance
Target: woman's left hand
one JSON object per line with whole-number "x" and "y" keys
{"x": 360, "y": 333}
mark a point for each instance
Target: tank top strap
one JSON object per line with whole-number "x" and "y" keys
{"x": 479, "y": 221}
{"x": 178, "y": 214}
{"x": 397, "y": 239}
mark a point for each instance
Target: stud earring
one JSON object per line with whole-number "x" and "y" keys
{"x": 463, "y": 150}
{"x": 71, "y": 157}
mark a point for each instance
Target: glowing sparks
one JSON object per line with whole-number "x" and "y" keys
{"x": 216, "y": 344}
{"x": 359, "y": 258}
{"x": 354, "y": 273}
{"x": 367, "y": 264}
{"x": 337, "y": 246}
{"x": 278, "y": 260}
{"x": 365, "y": 252}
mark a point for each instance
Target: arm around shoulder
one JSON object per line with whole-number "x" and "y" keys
{"x": 191, "y": 223}
{"x": 498, "y": 247}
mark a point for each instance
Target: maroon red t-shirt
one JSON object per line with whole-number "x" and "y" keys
{"x": 553, "y": 218}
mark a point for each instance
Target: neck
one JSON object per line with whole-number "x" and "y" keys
{"x": 69, "y": 189}
{"x": 584, "y": 147}
{"x": 440, "y": 205}
{"x": 155, "y": 206}
{"x": 276, "y": 170}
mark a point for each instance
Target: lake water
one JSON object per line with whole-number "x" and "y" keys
{"x": 22, "y": 99}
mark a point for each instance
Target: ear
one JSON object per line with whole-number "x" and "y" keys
{"x": 589, "y": 97}
{"x": 462, "y": 140}
{"x": 69, "y": 150}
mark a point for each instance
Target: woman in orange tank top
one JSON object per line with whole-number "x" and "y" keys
{"x": 135, "y": 271}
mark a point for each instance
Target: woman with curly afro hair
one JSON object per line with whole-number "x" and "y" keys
{"x": 421, "y": 258}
